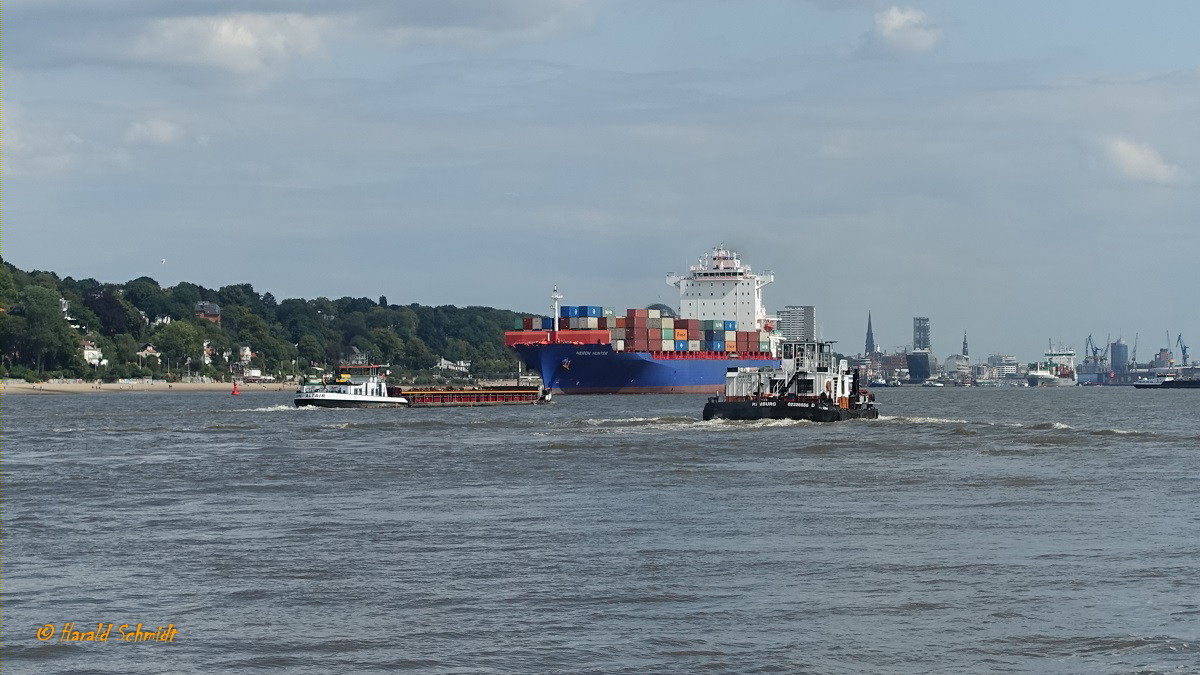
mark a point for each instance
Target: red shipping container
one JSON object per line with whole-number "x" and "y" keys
{"x": 520, "y": 337}
{"x": 587, "y": 337}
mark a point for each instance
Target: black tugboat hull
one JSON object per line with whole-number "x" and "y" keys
{"x": 783, "y": 410}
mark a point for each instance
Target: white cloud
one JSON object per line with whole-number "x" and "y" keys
{"x": 906, "y": 30}
{"x": 1139, "y": 161}
{"x": 154, "y": 131}
{"x": 471, "y": 24}
{"x": 245, "y": 44}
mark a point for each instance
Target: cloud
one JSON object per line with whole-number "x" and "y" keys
{"x": 244, "y": 44}
{"x": 905, "y": 30}
{"x": 258, "y": 39}
{"x": 1139, "y": 161}
{"x": 474, "y": 24}
{"x": 154, "y": 131}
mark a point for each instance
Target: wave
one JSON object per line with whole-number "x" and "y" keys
{"x": 920, "y": 420}
{"x": 270, "y": 408}
{"x": 635, "y": 421}
{"x": 1124, "y": 432}
{"x": 1051, "y": 426}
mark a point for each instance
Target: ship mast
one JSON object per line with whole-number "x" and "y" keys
{"x": 554, "y": 298}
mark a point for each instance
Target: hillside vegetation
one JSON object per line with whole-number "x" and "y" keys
{"x": 40, "y": 340}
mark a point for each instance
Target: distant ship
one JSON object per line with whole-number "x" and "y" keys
{"x": 590, "y": 349}
{"x": 1167, "y": 381}
{"x": 920, "y": 365}
{"x": 1057, "y": 369}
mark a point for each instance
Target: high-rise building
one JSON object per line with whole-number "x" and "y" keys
{"x": 1119, "y": 355}
{"x": 798, "y": 322}
{"x": 921, "y": 333}
{"x": 870, "y": 336}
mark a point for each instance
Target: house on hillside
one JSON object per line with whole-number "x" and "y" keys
{"x": 209, "y": 311}
{"x": 148, "y": 350}
{"x": 456, "y": 366}
{"x": 93, "y": 355}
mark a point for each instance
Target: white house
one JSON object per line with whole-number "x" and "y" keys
{"x": 93, "y": 355}
{"x": 457, "y": 366}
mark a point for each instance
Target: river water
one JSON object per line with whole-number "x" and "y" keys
{"x": 967, "y": 530}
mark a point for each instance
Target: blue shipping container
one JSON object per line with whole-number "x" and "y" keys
{"x": 547, "y": 323}
{"x": 730, "y": 325}
{"x": 592, "y": 311}
{"x": 681, "y": 345}
{"x": 568, "y": 311}
{"x": 718, "y": 345}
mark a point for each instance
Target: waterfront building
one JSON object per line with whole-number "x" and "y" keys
{"x": 1119, "y": 357}
{"x": 798, "y": 322}
{"x": 921, "y": 333}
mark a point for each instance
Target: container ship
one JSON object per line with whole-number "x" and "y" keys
{"x": 1057, "y": 370}
{"x": 591, "y": 349}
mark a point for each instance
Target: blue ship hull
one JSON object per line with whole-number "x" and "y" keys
{"x": 598, "y": 369}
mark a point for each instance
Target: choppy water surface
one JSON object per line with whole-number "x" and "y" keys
{"x": 967, "y": 530}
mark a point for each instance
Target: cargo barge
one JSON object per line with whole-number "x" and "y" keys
{"x": 364, "y": 385}
{"x": 590, "y": 349}
{"x": 806, "y": 386}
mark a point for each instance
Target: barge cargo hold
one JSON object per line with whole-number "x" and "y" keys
{"x": 483, "y": 396}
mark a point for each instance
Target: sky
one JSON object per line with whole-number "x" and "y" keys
{"x": 1023, "y": 171}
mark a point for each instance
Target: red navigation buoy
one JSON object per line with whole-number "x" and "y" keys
{"x": 235, "y": 390}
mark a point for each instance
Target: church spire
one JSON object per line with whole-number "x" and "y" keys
{"x": 964, "y": 343}
{"x": 870, "y": 336}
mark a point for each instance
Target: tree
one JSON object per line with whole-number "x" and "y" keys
{"x": 178, "y": 341}
{"x": 114, "y": 313}
{"x": 310, "y": 350}
{"x": 8, "y": 287}
{"x": 48, "y": 338}
{"x": 146, "y": 295}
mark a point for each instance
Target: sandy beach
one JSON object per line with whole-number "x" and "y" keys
{"x": 19, "y": 387}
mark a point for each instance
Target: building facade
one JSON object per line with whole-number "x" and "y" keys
{"x": 921, "y": 333}
{"x": 798, "y": 322}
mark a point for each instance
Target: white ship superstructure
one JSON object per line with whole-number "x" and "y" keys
{"x": 721, "y": 287}
{"x": 1056, "y": 370}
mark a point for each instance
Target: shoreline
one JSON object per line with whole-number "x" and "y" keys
{"x": 20, "y": 388}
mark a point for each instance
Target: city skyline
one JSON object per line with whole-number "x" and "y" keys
{"x": 1023, "y": 171}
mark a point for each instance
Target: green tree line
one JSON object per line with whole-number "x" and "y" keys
{"x": 38, "y": 341}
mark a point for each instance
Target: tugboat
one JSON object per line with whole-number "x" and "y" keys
{"x": 807, "y": 386}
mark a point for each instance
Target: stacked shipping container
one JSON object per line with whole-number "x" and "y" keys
{"x": 641, "y": 330}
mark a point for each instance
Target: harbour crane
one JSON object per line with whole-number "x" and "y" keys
{"x": 1099, "y": 356}
{"x": 1133, "y": 353}
{"x": 1182, "y": 347}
